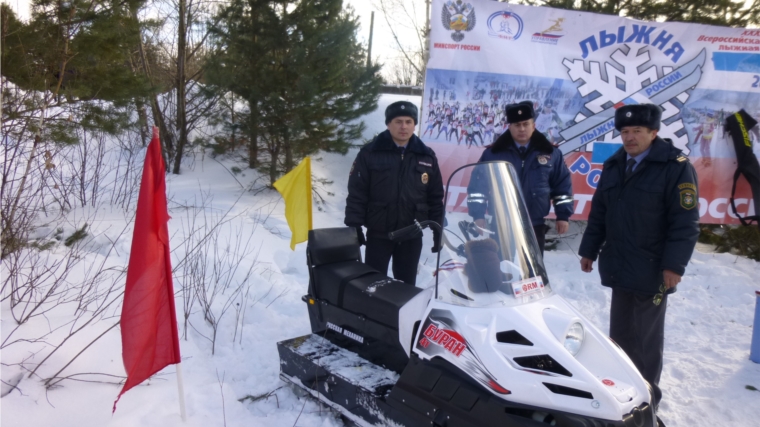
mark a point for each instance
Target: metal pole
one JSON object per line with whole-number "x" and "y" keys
{"x": 427, "y": 33}
{"x": 426, "y": 56}
{"x": 754, "y": 352}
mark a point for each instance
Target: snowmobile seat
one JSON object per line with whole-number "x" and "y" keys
{"x": 330, "y": 245}
{"x": 331, "y": 279}
{"x": 340, "y": 278}
{"x": 334, "y": 259}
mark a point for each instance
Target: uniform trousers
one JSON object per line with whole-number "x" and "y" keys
{"x": 540, "y": 231}
{"x": 638, "y": 327}
{"x": 406, "y": 256}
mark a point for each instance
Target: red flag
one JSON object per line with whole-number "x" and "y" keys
{"x": 149, "y": 337}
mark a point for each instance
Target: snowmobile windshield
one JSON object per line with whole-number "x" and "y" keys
{"x": 490, "y": 255}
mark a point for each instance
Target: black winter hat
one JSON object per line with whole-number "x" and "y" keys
{"x": 646, "y": 115}
{"x": 401, "y": 108}
{"x": 520, "y": 112}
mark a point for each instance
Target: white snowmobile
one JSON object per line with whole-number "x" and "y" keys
{"x": 487, "y": 344}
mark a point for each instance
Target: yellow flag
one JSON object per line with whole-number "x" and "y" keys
{"x": 295, "y": 188}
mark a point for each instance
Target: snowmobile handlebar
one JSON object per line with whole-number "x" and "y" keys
{"x": 412, "y": 231}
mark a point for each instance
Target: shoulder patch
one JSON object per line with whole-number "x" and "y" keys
{"x": 687, "y": 185}
{"x": 688, "y": 198}
{"x": 681, "y": 158}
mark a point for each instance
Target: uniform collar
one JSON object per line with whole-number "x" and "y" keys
{"x": 640, "y": 156}
{"x": 660, "y": 151}
{"x": 384, "y": 142}
{"x": 538, "y": 141}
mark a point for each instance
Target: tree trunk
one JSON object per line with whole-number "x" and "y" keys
{"x": 275, "y": 153}
{"x": 233, "y": 136}
{"x": 142, "y": 115}
{"x": 167, "y": 145}
{"x": 253, "y": 133}
{"x": 288, "y": 154}
{"x": 142, "y": 118}
{"x": 181, "y": 101}
{"x": 158, "y": 117}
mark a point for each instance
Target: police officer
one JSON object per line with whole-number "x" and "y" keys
{"x": 394, "y": 180}
{"x": 544, "y": 177}
{"x": 643, "y": 225}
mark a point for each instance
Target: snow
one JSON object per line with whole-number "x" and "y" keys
{"x": 708, "y": 333}
{"x": 342, "y": 363}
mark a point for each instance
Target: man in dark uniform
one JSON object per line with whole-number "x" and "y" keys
{"x": 394, "y": 180}
{"x": 544, "y": 177}
{"x": 644, "y": 220}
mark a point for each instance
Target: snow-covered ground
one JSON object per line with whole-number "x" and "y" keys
{"x": 708, "y": 379}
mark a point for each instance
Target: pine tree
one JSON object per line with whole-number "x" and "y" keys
{"x": 300, "y": 68}
{"x": 77, "y": 49}
{"x": 70, "y": 53}
{"x": 241, "y": 33}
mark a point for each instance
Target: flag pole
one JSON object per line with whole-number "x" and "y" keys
{"x": 181, "y": 389}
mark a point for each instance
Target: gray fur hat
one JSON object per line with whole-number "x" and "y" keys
{"x": 645, "y": 115}
{"x": 401, "y": 108}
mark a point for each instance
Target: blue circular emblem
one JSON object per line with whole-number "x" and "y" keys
{"x": 505, "y": 25}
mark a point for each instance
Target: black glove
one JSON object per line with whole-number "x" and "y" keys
{"x": 360, "y": 235}
{"x": 436, "y": 242}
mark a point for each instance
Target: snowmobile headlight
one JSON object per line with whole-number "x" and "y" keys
{"x": 574, "y": 338}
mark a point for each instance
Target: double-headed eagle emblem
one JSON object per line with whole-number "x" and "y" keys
{"x": 458, "y": 16}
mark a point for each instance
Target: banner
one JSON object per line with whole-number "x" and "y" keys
{"x": 577, "y": 68}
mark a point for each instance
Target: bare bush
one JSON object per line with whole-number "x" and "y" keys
{"x": 219, "y": 259}
{"x": 53, "y": 163}
{"x": 81, "y": 282}
{"x": 53, "y": 268}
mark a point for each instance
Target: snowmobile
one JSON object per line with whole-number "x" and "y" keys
{"x": 487, "y": 343}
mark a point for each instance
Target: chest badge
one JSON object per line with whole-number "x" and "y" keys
{"x": 424, "y": 178}
{"x": 543, "y": 159}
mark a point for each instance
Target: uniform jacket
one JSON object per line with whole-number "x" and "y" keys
{"x": 544, "y": 177}
{"x": 387, "y": 192}
{"x": 646, "y": 224}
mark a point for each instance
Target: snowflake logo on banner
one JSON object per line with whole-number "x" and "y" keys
{"x": 629, "y": 78}
{"x": 458, "y": 16}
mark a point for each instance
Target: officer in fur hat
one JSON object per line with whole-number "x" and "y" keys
{"x": 544, "y": 177}
{"x": 645, "y": 214}
{"x": 394, "y": 181}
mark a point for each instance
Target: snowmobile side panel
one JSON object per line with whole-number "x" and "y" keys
{"x": 441, "y": 393}
{"x": 371, "y": 340}
{"x": 589, "y": 384}
{"x": 410, "y": 313}
{"x": 378, "y": 297}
